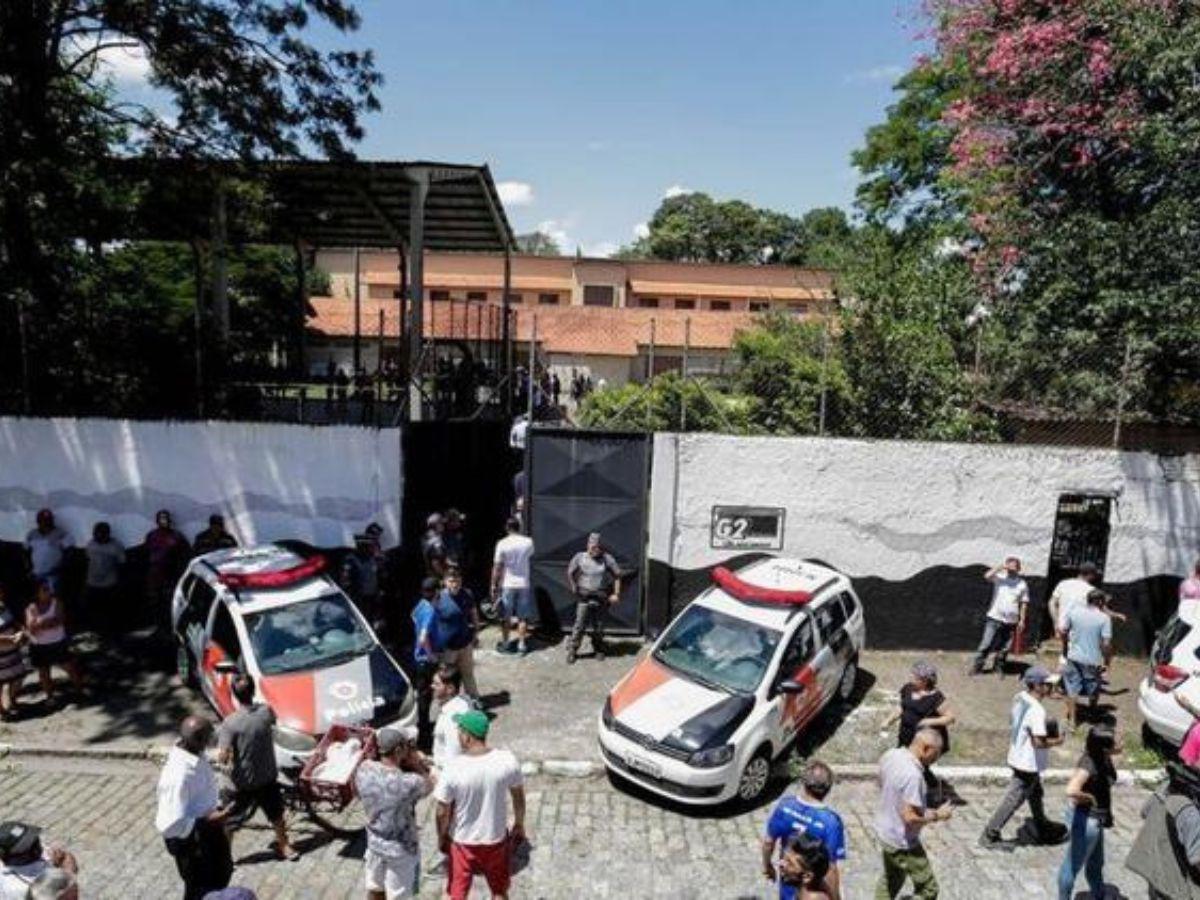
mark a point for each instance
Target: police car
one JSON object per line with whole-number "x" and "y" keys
{"x": 1174, "y": 667}
{"x": 732, "y": 681}
{"x": 278, "y": 617}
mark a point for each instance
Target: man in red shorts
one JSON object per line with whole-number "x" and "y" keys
{"x": 472, "y": 815}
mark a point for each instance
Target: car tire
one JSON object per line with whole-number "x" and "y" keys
{"x": 184, "y": 667}
{"x": 849, "y": 680}
{"x": 755, "y": 777}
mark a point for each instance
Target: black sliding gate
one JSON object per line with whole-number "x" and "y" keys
{"x": 580, "y": 482}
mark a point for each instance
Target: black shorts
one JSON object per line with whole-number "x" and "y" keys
{"x": 44, "y": 655}
{"x": 268, "y": 798}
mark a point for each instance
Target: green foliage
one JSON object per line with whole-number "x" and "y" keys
{"x": 661, "y": 404}
{"x": 538, "y": 243}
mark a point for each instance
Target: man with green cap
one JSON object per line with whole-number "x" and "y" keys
{"x": 472, "y": 816}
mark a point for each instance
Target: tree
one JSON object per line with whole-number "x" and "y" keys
{"x": 538, "y": 243}
{"x": 669, "y": 402}
{"x": 695, "y": 228}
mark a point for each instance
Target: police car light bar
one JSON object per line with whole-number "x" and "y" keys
{"x": 753, "y": 593}
{"x": 278, "y": 578}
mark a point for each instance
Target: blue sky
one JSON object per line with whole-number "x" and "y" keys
{"x": 589, "y": 111}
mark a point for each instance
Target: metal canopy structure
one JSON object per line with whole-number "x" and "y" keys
{"x": 411, "y": 206}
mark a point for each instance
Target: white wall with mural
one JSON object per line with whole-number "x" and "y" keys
{"x": 891, "y": 509}
{"x": 271, "y": 481}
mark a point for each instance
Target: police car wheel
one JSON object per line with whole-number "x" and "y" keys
{"x": 755, "y": 777}
{"x": 849, "y": 680}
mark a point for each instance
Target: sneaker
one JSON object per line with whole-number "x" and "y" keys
{"x": 992, "y": 841}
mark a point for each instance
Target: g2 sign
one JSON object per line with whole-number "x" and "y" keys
{"x": 747, "y": 528}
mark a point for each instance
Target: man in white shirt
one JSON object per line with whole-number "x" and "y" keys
{"x": 472, "y": 814}
{"x": 1072, "y": 592}
{"x": 46, "y": 546}
{"x": 1006, "y": 615}
{"x": 903, "y": 813}
{"x": 189, "y": 817}
{"x": 511, "y": 583}
{"x": 1029, "y": 741}
{"x": 447, "y": 691}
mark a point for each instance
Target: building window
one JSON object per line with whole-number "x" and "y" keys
{"x": 548, "y": 299}
{"x": 598, "y": 295}
{"x": 648, "y": 302}
{"x": 798, "y": 307}
{"x": 718, "y": 305}
{"x": 759, "y": 306}
{"x": 514, "y": 298}
{"x": 477, "y": 296}
{"x": 439, "y": 296}
{"x": 685, "y": 304}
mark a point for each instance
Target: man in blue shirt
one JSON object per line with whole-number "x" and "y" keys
{"x": 1088, "y": 630}
{"x": 427, "y": 653}
{"x": 806, "y": 813}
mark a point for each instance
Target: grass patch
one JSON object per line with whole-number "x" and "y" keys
{"x": 1141, "y": 756}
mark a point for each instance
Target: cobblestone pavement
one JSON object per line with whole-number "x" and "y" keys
{"x": 590, "y": 839}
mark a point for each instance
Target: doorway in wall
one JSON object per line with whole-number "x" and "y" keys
{"x": 1081, "y": 531}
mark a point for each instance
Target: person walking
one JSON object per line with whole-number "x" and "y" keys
{"x": 472, "y": 794}
{"x": 511, "y": 586}
{"x": 595, "y": 581}
{"x": 1089, "y": 813}
{"x": 1030, "y": 738}
{"x": 922, "y": 705}
{"x": 427, "y": 653}
{"x": 102, "y": 609}
{"x": 803, "y": 870}
{"x": 433, "y": 546}
{"x": 12, "y": 660}
{"x": 389, "y": 790}
{"x": 46, "y": 547}
{"x": 189, "y": 816}
{"x": 246, "y": 743}
{"x": 1087, "y": 631}
{"x": 214, "y": 537}
{"x": 448, "y": 692}
{"x": 458, "y": 623}
{"x": 807, "y": 814}
{"x": 1005, "y": 617}
{"x": 903, "y": 813}
{"x": 48, "y": 642}
{"x": 1072, "y": 592}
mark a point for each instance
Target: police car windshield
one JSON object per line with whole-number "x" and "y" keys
{"x": 718, "y": 650}
{"x": 310, "y": 634}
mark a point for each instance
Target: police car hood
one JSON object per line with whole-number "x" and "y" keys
{"x": 668, "y": 707}
{"x": 368, "y": 688}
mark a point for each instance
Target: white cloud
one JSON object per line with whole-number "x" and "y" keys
{"x": 887, "y": 73}
{"x": 127, "y": 66}
{"x": 641, "y": 230}
{"x": 602, "y": 248}
{"x": 515, "y": 193}
{"x": 557, "y": 230}
{"x": 675, "y": 190}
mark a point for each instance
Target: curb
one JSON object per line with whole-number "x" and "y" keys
{"x": 580, "y": 768}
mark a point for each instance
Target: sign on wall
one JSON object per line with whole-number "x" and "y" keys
{"x": 747, "y": 528}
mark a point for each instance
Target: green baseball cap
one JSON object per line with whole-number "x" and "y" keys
{"x": 474, "y": 723}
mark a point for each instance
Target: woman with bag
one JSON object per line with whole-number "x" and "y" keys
{"x": 1089, "y": 813}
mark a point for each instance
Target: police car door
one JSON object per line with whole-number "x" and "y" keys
{"x": 836, "y": 646}
{"x": 792, "y": 711}
{"x": 222, "y": 659}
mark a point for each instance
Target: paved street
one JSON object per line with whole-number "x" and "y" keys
{"x": 590, "y": 840}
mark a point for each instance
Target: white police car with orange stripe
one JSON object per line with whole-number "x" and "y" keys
{"x": 276, "y": 616}
{"x": 733, "y": 680}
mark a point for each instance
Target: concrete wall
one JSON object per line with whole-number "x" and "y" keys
{"x": 916, "y": 524}
{"x": 319, "y": 485}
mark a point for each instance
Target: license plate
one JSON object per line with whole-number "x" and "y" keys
{"x": 640, "y": 764}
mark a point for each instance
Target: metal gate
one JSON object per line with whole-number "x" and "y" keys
{"x": 580, "y": 482}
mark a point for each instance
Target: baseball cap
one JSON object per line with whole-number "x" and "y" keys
{"x": 389, "y": 740}
{"x": 1036, "y": 675}
{"x": 474, "y": 723}
{"x": 17, "y": 838}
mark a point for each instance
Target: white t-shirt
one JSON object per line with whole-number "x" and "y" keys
{"x": 901, "y": 784}
{"x": 445, "y": 733}
{"x": 1028, "y": 721}
{"x": 1008, "y": 593}
{"x": 187, "y": 791}
{"x": 1070, "y": 592}
{"x": 15, "y": 880}
{"x": 478, "y": 788}
{"x": 514, "y": 552}
{"x": 46, "y": 550}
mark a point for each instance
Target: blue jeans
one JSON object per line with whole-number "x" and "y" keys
{"x": 1086, "y": 852}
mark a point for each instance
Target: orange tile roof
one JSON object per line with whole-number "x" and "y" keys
{"x": 651, "y": 288}
{"x": 560, "y": 329}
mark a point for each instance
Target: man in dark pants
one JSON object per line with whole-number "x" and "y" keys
{"x": 1030, "y": 739}
{"x": 189, "y": 817}
{"x": 595, "y": 580}
{"x": 427, "y": 653}
{"x": 247, "y": 744}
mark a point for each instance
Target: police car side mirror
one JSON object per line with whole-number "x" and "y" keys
{"x": 227, "y": 667}
{"x": 791, "y": 687}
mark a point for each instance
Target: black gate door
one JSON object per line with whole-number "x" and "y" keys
{"x": 1081, "y": 528}
{"x": 580, "y": 482}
